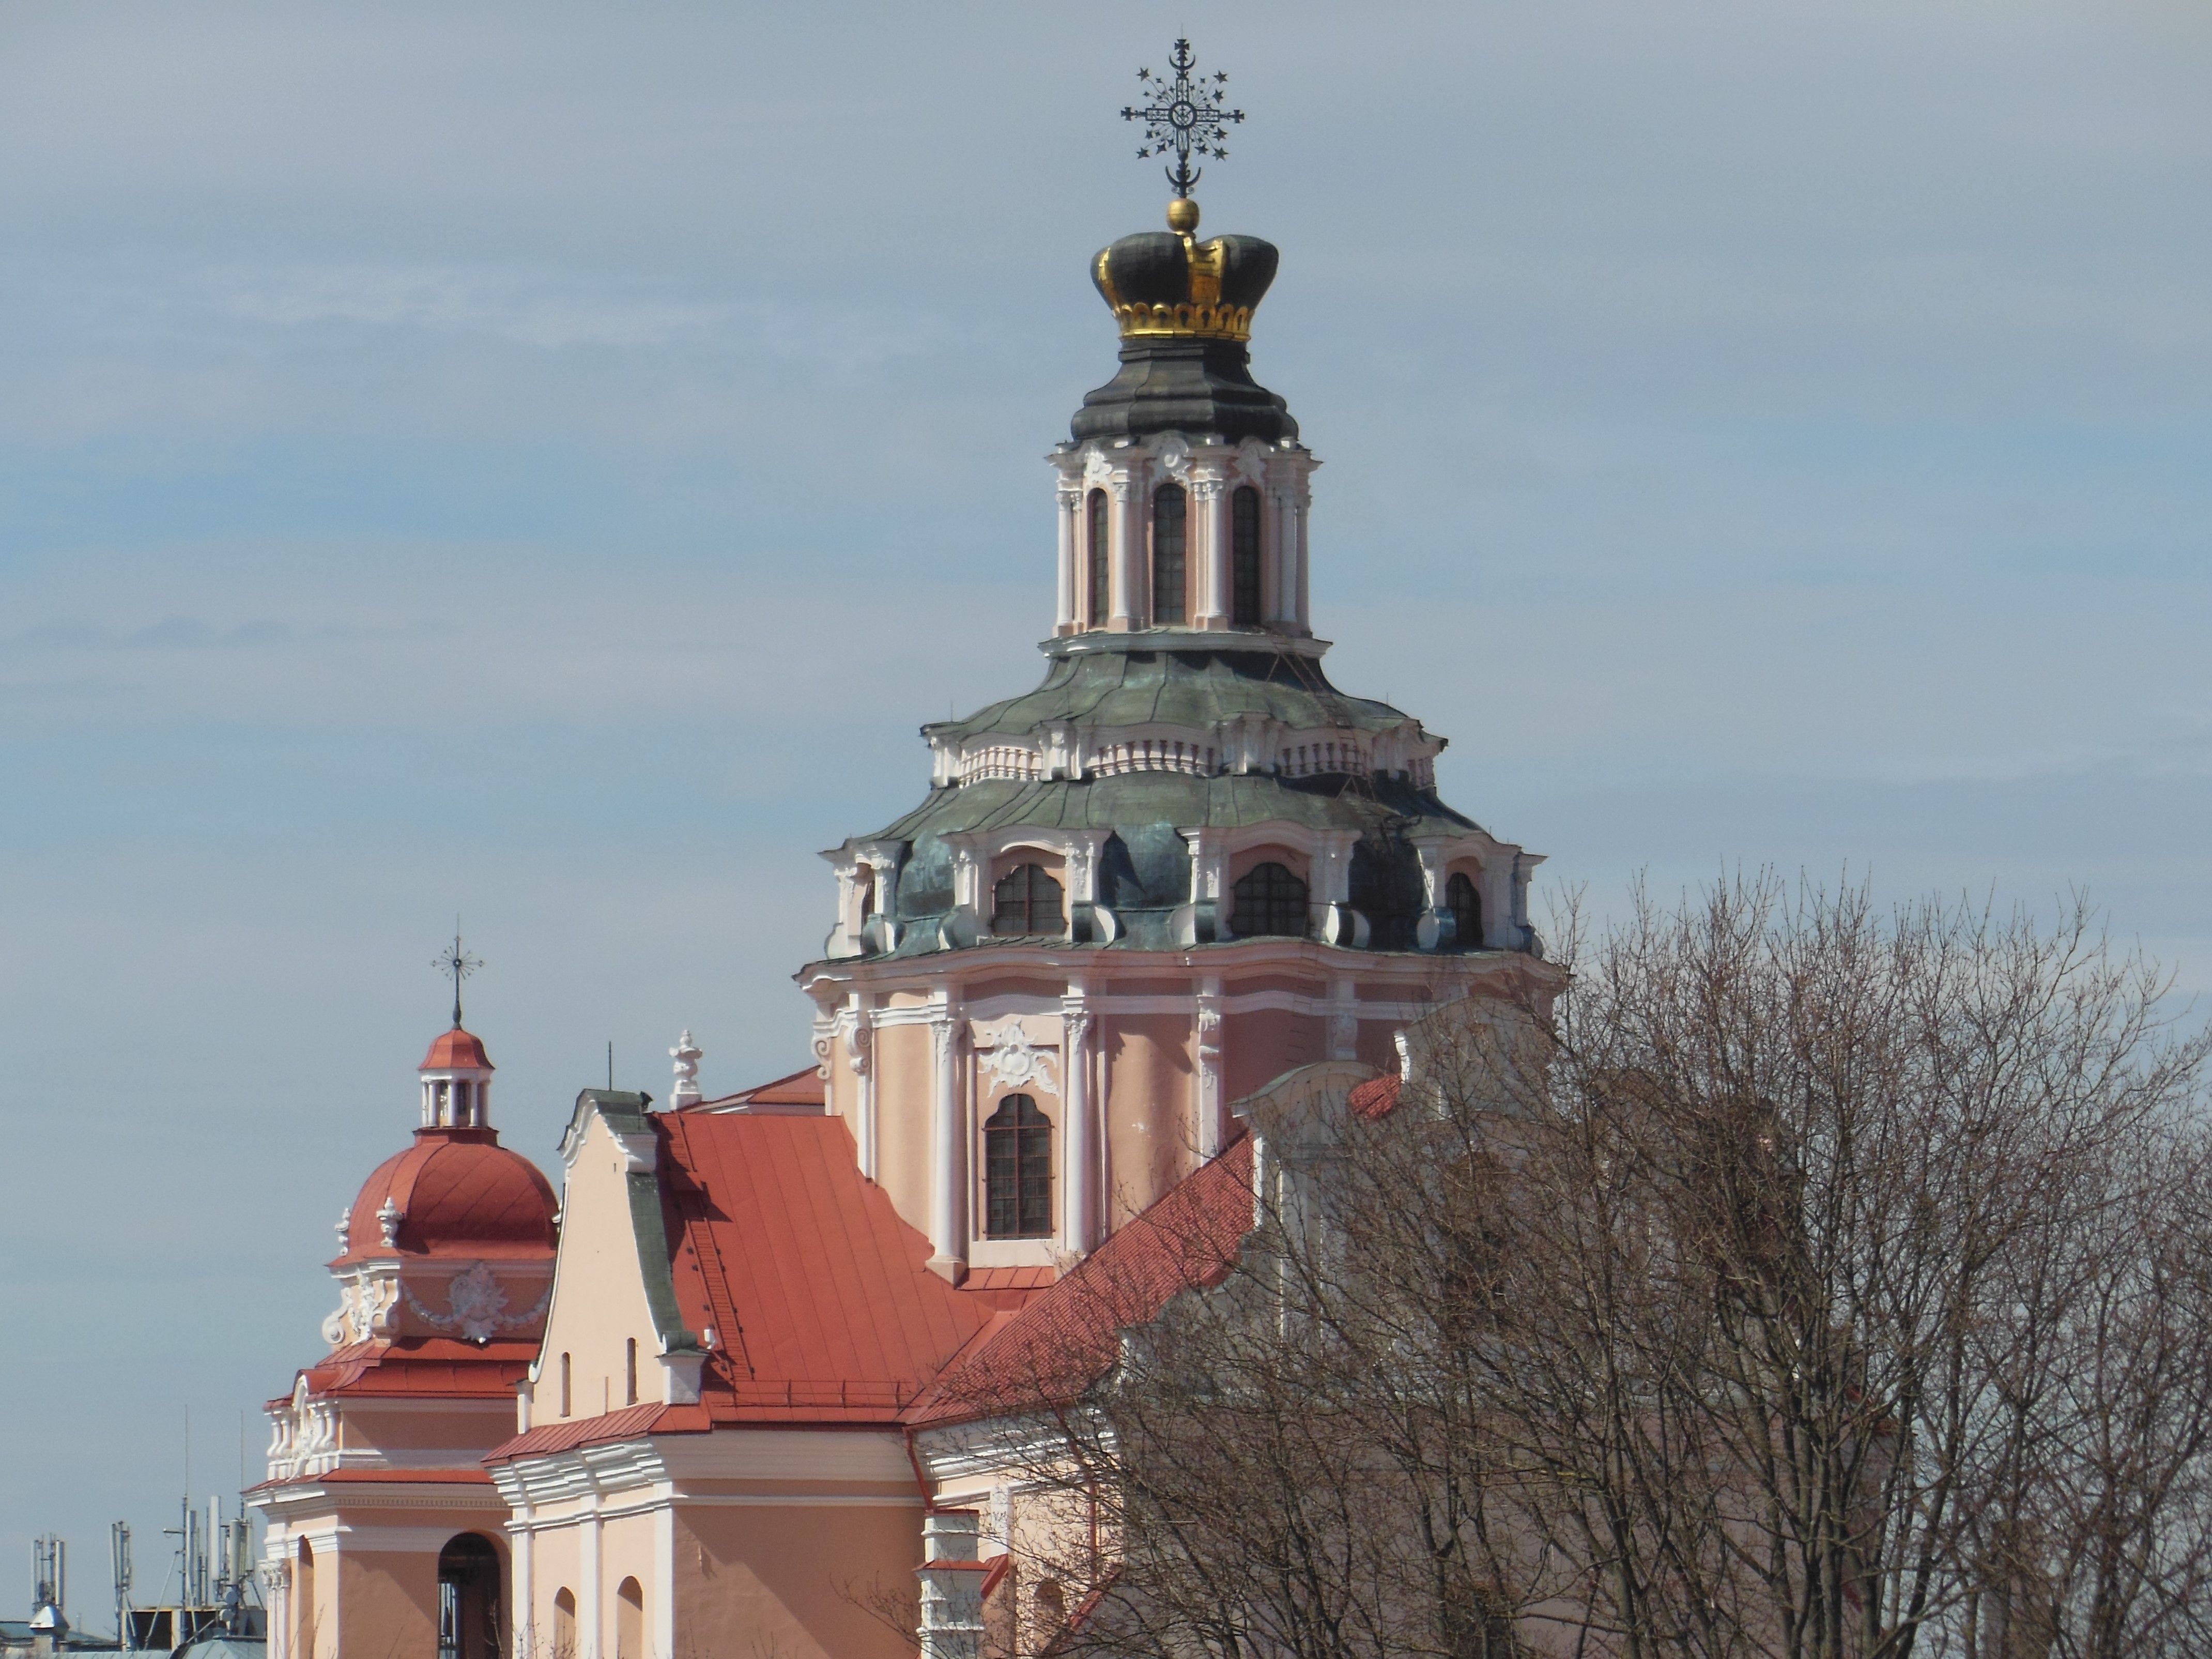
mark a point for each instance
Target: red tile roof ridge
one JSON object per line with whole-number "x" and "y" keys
{"x": 804, "y": 1087}
{"x": 1378, "y": 1096}
{"x": 1068, "y": 1336}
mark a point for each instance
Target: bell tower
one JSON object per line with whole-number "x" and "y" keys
{"x": 1186, "y": 862}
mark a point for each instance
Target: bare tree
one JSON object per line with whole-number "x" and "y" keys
{"x": 1798, "y": 1281}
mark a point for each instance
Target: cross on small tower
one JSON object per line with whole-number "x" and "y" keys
{"x": 1185, "y": 116}
{"x": 457, "y": 964}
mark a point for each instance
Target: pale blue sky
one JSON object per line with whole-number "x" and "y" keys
{"x": 545, "y": 462}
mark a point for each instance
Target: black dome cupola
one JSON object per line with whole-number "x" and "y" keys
{"x": 1185, "y": 312}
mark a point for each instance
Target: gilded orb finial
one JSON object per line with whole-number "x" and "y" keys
{"x": 1182, "y": 215}
{"x": 1186, "y": 118}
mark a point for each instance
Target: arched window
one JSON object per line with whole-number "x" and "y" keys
{"x": 629, "y": 1373}
{"x": 1270, "y": 900}
{"x": 564, "y": 1624}
{"x": 1018, "y": 1171}
{"x": 1466, "y": 907}
{"x": 468, "y": 1598}
{"x": 629, "y": 1620}
{"x": 1244, "y": 557}
{"x": 303, "y": 1600}
{"x": 1170, "y": 526}
{"x": 1027, "y": 901}
{"x": 1096, "y": 547}
{"x": 565, "y": 1397}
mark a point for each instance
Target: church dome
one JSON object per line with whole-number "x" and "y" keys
{"x": 1184, "y": 309}
{"x": 454, "y": 1191}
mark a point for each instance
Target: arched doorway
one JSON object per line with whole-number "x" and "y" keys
{"x": 468, "y": 1598}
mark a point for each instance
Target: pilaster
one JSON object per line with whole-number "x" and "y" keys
{"x": 1079, "y": 1134}
{"x": 948, "y": 1210}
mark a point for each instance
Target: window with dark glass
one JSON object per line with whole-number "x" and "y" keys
{"x": 468, "y": 1599}
{"x": 1171, "y": 526}
{"x": 1095, "y": 549}
{"x": 1018, "y": 1171}
{"x": 1027, "y": 900}
{"x": 1466, "y": 907}
{"x": 1270, "y": 900}
{"x": 1244, "y": 557}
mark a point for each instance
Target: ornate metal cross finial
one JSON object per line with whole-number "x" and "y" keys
{"x": 457, "y": 964}
{"x": 1185, "y": 117}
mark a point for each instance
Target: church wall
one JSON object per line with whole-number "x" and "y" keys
{"x": 905, "y": 1084}
{"x": 1151, "y": 1137}
{"x": 555, "y": 1565}
{"x": 1261, "y": 1046}
{"x": 465, "y": 1428}
{"x": 767, "y": 1579}
{"x": 626, "y": 1551}
{"x": 599, "y": 1302}
{"x": 389, "y": 1601}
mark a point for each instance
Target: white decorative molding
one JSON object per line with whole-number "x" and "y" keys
{"x": 478, "y": 1304}
{"x": 1014, "y": 1062}
{"x": 388, "y": 1218}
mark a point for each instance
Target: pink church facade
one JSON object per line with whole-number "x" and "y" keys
{"x": 703, "y": 1401}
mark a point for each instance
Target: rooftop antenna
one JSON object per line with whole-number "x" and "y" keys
{"x": 457, "y": 964}
{"x": 611, "y": 1066}
{"x": 1185, "y": 117}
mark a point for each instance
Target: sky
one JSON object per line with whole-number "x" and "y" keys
{"x": 541, "y": 464}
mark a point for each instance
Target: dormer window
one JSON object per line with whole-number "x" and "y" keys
{"x": 1244, "y": 557}
{"x": 1465, "y": 905}
{"x": 1270, "y": 900}
{"x": 1027, "y": 901}
{"x": 1018, "y": 1171}
{"x": 1170, "y": 523}
{"x": 1096, "y": 549}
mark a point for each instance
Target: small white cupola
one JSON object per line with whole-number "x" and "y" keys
{"x": 457, "y": 1072}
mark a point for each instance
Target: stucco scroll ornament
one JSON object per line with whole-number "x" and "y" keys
{"x": 478, "y": 1302}
{"x": 1096, "y": 469}
{"x": 365, "y": 1312}
{"x": 857, "y": 1032}
{"x": 1175, "y": 458}
{"x": 1015, "y": 1063}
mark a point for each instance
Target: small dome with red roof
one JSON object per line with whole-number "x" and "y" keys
{"x": 456, "y": 1050}
{"x": 456, "y": 1192}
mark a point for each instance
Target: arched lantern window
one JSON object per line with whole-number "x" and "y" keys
{"x": 1027, "y": 901}
{"x": 1018, "y": 1171}
{"x": 1465, "y": 905}
{"x": 1097, "y": 550}
{"x": 1170, "y": 537}
{"x": 1244, "y": 557}
{"x": 1270, "y": 900}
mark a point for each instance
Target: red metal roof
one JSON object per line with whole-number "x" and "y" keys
{"x": 459, "y": 1193}
{"x": 567, "y": 1433}
{"x": 818, "y": 1293}
{"x": 1070, "y": 1334}
{"x": 440, "y": 1367}
{"x": 456, "y": 1051}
